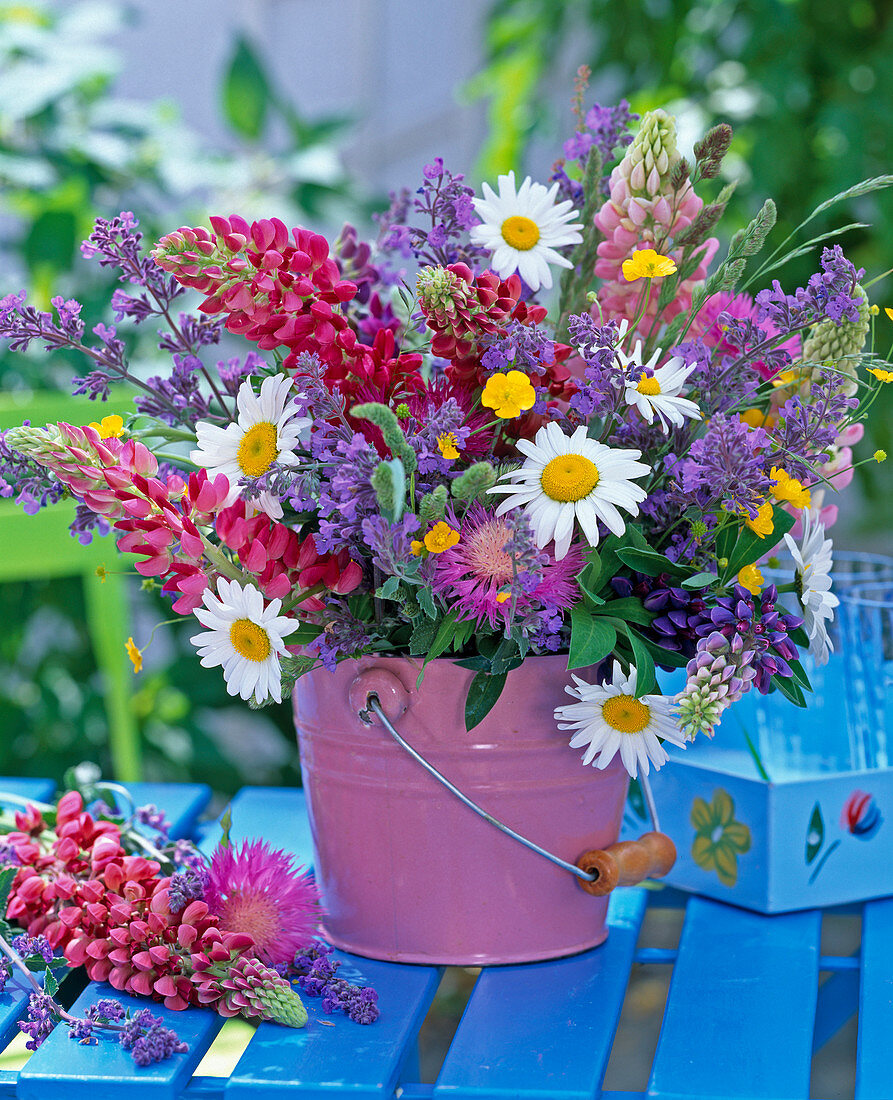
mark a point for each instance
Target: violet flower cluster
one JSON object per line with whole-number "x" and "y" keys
{"x": 317, "y": 976}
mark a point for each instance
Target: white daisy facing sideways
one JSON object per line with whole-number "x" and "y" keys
{"x": 523, "y": 228}
{"x": 266, "y": 430}
{"x": 812, "y": 568}
{"x": 572, "y": 479}
{"x": 608, "y": 718}
{"x": 657, "y": 391}
{"x": 244, "y": 636}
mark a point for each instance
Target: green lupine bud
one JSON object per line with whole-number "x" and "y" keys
{"x": 34, "y": 442}
{"x": 389, "y": 482}
{"x": 652, "y": 155}
{"x": 402, "y": 411}
{"x": 382, "y": 417}
{"x": 839, "y": 345}
{"x": 476, "y": 480}
{"x": 433, "y": 506}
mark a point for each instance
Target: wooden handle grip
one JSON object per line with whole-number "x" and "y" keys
{"x": 626, "y": 863}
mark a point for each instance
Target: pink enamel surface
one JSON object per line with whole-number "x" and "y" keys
{"x": 407, "y": 872}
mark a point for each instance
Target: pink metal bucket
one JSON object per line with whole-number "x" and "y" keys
{"x": 410, "y": 874}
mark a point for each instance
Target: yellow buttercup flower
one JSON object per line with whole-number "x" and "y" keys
{"x": 881, "y": 375}
{"x": 508, "y": 395}
{"x": 446, "y": 442}
{"x": 789, "y": 488}
{"x": 647, "y": 264}
{"x": 441, "y": 537}
{"x": 751, "y": 578}
{"x": 135, "y": 654}
{"x": 763, "y": 523}
{"x": 757, "y": 418}
{"x": 503, "y": 597}
{"x": 109, "y": 426}
{"x": 416, "y": 547}
{"x": 889, "y": 312}
{"x": 880, "y": 456}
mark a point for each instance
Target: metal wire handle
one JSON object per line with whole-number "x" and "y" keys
{"x": 373, "y": 704}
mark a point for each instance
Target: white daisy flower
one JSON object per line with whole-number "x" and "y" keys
{"x": 812, "y": 566}
{"x": 567, "y": 478}
{"x": 609, "y": 718}
{"x": 658, "y": 389}
{"x": 523, "y": 229}
{"x": 266, "y": 430}
{"x": 245, "y": 637}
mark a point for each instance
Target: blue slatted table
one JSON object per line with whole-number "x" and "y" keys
{"x": 745, "y": 1012}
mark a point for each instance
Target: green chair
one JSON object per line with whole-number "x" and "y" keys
{"x": 38, "y": 547}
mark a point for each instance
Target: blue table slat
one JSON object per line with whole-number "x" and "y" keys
{"x": 321, "y": 1061}
{"x": 874, "y": 1075}
{"x": 277, "y": 815}
{"x": 40, "y": 789}
{"x": 838, "y": 1001}
{"x": 546, "y": 1029}
{"x": 183, "y": 803}
{"x": 62, "y": 1067}
{"x": 741, "y": 1007}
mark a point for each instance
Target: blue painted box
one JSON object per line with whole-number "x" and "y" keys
{"x": 818, "y": 833}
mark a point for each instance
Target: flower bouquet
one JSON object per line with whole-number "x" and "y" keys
{"x": 417, "y": 465}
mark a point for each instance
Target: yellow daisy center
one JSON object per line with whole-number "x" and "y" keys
{"x": 569, "y": 477}
{"x": 649, "y": 386}
{"x": 258, "y": 450}
{"x": 626, "y": 713}
{"x": 520, "y": 232}
{"x": 250, "y": 640}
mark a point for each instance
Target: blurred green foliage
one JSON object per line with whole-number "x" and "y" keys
{"x": 72, "y": 149}
{"x": 806, "y": 85}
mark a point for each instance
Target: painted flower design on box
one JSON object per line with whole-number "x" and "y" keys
{"x": 861, "y": 815}
{"x": 719, "y": 838}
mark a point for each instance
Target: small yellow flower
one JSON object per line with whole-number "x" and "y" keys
{"x": 751, "y": 578}
{"x": 880, "y": 456}
{"x": 447, "y": 441}
{"x": 508, "y": 394}
{"x": 757, "y": 418}
{"x": 763, "y": 523}
{"x": 789, "y": 488}
{"x": 881, "y": 375}
{"x": 135, "y": 655}
{"x": 889, "y": 312}
{"x": 102, "y": 573}
{"x": 109, "y": 426}
{"x": 441, "y": 537}
{"x": 503, "y": 597}
{"x": 647, "y": 264}
{"x": 416, "y": 547}
{"x": 786, "y": 377}
{"x": 874, "y": 310}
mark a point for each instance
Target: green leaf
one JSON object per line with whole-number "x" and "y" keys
{"x": 6, "y": 878}
{"x": 246, "y": 92}
{"x": 226, "y": 824}
{"x": 750, "y": 546}
{"x": 389, "y": 589}
{"x": 426, "y": 602}
{"x": 51, "y": 240}
{"x": 422, "y": 636}
{"x": 628, "y": 608}
{"x": 50, "y": 984}
{"x": 700, "y": 580}
{"x": 725, "y": 540}
{"x": 443, "y": 637}
{"x": 649, "y": 562}
{"x": 790, "y": 689}
{"x": 475, "y": 664}
{"x": 483, "y": 694}
{"x": 800, "y": 675}
{"x": 815, "y": 834}
{"x": 592, "y": 639}
{"x": 646, "y": 680}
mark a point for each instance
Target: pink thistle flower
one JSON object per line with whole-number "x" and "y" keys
{"x": 478, "y": 579}
{"x": 258, "y": 891}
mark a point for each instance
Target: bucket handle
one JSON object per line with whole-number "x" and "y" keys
{"x": 597, "y": 871}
